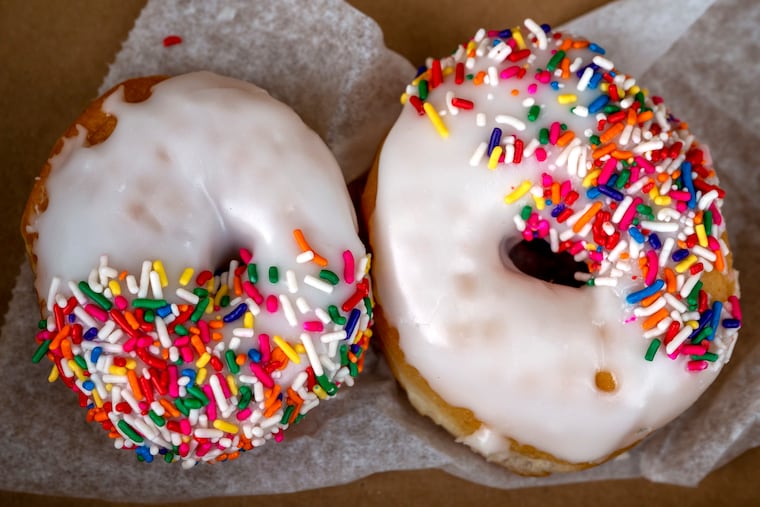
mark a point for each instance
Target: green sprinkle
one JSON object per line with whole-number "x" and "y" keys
{"x": 169, "y": 457}
{"x": 193, "y": 403}
{"x": 368, "y": 306}
{"x": 695, "y": 291}
{"x": 335, "y": 315}
{"x": 129, "y": 431}
{"x": 594, "y": 140}
{"x": 274, "y": 274}
{"x": 253, "y": 273}
{"x": 199, "y": 309}
{"x": 224, "y": 301}
{"x": 41, "y": 351}
{"x": 200, "y": 292}
{"x": 229, "y": 355}
{"x": 707, "y": 356}
{"x": 590, "y": 282}
{"x": 555, "y": 60}
{"x": 149, "y": 316}
{"x": 359, "y": 352}
{"x": 198, "y": 393}
{"x": 150, "y": 304}
{"x": 42, "y": 324}
{"x": 181, "y": 330}
{"x": 707, "y": 331}
{"x": 298, "y": 418}
{"x": 533, "y": 112}
{"x": 343, "y": 355}
{"x": 286, "y": 415}
{"x": 80, "y": 361}
{"x": 707, "y": 220}
{"x": 525, "y": 212}
{"x": 328, "y": 386}
{"x": 623, "y": 178}
{"x": 245, "y": 397}
{"x": 100, "y": 299}
{"x": 182, "y": 407}
{"x": 543, "y": 136}
{"x": 422, "y": 89}
{"x": 609, "y": 109}
{"x": 157, "y": 419}
{"x": 329, "y": 277}
{"x": 470, "y": 76}
{"x": 353, "y": 370}
{"x": 652, "y": 350}
{"x": 644, "y": 209}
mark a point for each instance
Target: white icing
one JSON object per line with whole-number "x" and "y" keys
{"x": 206, "y": 166}
{"x": 520, "y": 353}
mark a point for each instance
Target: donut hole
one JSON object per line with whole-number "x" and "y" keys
{"x": 536, "y": 259}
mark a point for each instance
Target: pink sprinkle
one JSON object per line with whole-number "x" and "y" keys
{"x": 315, "y": 326}
{"x": 675, "y": 353}
{"x": 187, "y": 354}
{"x": 576, "y": 248}
{"x": 607, "y": 170}
{"x": 203, "y": 449}
{"x": 252, "y": 292}
{"x": 272, "y": 303}
{"x": 679, "y": 195}
{"x": 129, "y": 345}
{"x": 696, "y": 365}
{"x": 509, "y": 72}
{"x": 182, "y": 341}
{"x": 264, "y": 347}
{"x": 185, "y": 427}
{"x": 184, "y": 449}
{"x": 540, "y": 154}
{"x": 653, "y": 267}
{"x": 713, "y": 244}
{"x": 348, "y": 267}
{"x": 211, "y": 407}
{"x": 203, "y": 327}
{"x": 172, "y": 40}
{"x": 532, "y": 220}
{"x": 546, "y": 179}
{"x": 278, "y": 436}
{"x": 630, "y": 319}
{"x": 96, "y": 312}
{"x": 527, "y": 234}
{"x": 532, "y": 88}
{"x": 717, "y": 217}
{"x": 736, "y": 310}
{"x": 173, "y": 386}
{"x": 554, "y": 131}
{"x": 225, "y": 386}
{"x": 680, "y": 206}
{"x": 565, "y": 188}
{"x": 693, "y": 350}
{"x": 543, "y": 77}
{"x": 635, "y": 174}
{"x": 120, "y": 302}
{"x": 630, "y": 213}
{"x": 144, "y": 342}
{"x": 243, "y": 414}
{"x": 646, "y": 164}
{"x": 245, "y": 255}
{"x": 263, "y": 376}
{"x": 543, "y": 229}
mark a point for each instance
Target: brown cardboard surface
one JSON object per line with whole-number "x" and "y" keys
{"x": 54, "y": 56}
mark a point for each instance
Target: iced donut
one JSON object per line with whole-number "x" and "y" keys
{"x": 198, "y": 267}
{"x": 551, "y": 267}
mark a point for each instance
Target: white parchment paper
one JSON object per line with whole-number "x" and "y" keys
{"x": 699, "y": 55}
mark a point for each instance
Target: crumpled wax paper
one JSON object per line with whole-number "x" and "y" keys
{"x": 700, "y": 55}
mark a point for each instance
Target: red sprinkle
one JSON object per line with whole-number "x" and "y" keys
{"x": 172, "y": 40}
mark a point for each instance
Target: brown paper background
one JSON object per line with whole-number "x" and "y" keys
{"x": 54, "y": 56}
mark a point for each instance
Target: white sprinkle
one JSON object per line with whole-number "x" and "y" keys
{"x": 645, "y": 311}
{"x": 506, "y": 119}
{"x": 144, "y": 279}
{"x": 318, "y": 284}
{"x": 554, "y": 240}
{"x": 333, "y": 336}
{"x": 678, "y": 340}
{"x": 209, "y": 433}
{"x": 603, "y": 62}
{"x": 706, "y": 200}
{"x": 606, "y": 281}
{"x": 621, "y": 209}
{"x": 449, "y": 105}
{"x": 311, "y": 353}
{"x": 243, "y": 332}
{"x": 188, "y": 296}
{"x": 480, "y": 119}
{"x": 252, "y": 306}
{"x": 576, "y": 64}
{"x": 287, "y": 308}
{"x": 322, "y": 315}
{"x": 231, "y": 275}
{"x": 667, "y": 247}
{"x": 704, "y": 253}
{"x": 582, "y": 277}
{"x": 659, "y": 226}
{"x": 576, "y": 161}
{"x": 478, "y": 154}
{"x": 290, "y": 280}
{"x": 163, "y": 333}
{"x": 155, "y": 285}
{"x": 302, "y": 305}
{"x": 530, "y": 148}
{"x": 115, "y": 379}
{"x": 93, "y": 282}
{"x": 493, "y": 76}
{"x": 305, "y": 257}
{"x": 581, "y": 111}
{"x": 55, "y": 283}
{"x": 585, "y": 78}
{"x": 689, "y": 284}
{"x": 219, "y": 397}
{"x": 562, "y": 158}
{"x": 500, "y": 52}
{"x": 509, "y": 153}
{"x": 299, "y": 381}
{"x": 132, "y": 286}
{"x": 675, "y": 303}
{"x": 536, "y": 30}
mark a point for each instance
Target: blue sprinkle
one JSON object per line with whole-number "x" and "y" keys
{"x": 548, "y": 202}
{"x": 353, "y": 319}
{"x": 686, "y": 177}
{"x": 236, "y": 313}
{"x": 654, "y": 241}
{"x": 679, "y": 255}
{"x": 72, "y": 318}
{"x": 554, "y": 85}
{"x": 495, "y": 139}
{"x": 505, "y": 34}
{"x": 254, "y": 355}
{"x": 704, "y": 320}
{"x": 717, "y": 307}
{"x": 546, "y": 28}
{"x": 95, "y": 354}
{"x": 636, "y": 235}
{"x": 593, "y": 83}
{"x": 90, "y": 333}
{"x": 637, "y": 296}
{"x": 612, "y": 179}
{"x": 189, "y": 373}
{"x": 731, "y": 323}
{"x": 164, "y": 311}
{"x": 88, "y": 384}
{"x": 421, "y": 70}
{"x": 163, "y": 451}
{"x": 598, "y": 103}
{"x": 596, "y": 48}
{"x": 593, "y": 192}
{"x": 355, "y": 348}
{"x": 610, "y": 192}
{"x": 559, "y": 208}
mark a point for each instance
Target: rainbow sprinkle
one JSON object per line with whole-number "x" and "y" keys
{"x": 204, "y": 376}
{"x": 651, "y": 226}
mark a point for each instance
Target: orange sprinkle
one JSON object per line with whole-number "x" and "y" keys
{"x": 515, "y": 92}
{"x": 644, "y": 117}
{"x": 566, "y": 44}
{"x": 240, "y": 359}
{"x": 272, "y": 409}
{"x": 604, "y": 150}
{"x": 131, "y": 320}
{"x": 565, "y": 138}
{"x": 294, "y": 397}
{"x": 237, "y": 286}
{"x": 630, "y": 119}
{"x": 698, "y": 218}
{"x": 651, "y": 299}
{"x": 621, "y": 154}
{"x": 134, "y": 384}
{"x": 580, "y": 44}
{"x": 564, "y": 65}
{"x": 479, "y": 78}
{"x": 198, "y": 345}
{"x": 100, "y": 416}
{"x": 216, "y": 336}
{"x": 587, "y": 216}
{"x": 662, "y": 177}
{"x": 279, "y": 357}
{"x": 270, "y": 395}
{"x": 555, "y": 192}
{"x": 169, "y": 407}
{"x": 62, "y": 333}
{"x": 654, "y": 319}
{"x": 304, "y": 246}
{"x": 720, "y": 263}
{"x": 670, "y": 280}
{"x": 216, "y": 324}
{"x": 611, "y": 133}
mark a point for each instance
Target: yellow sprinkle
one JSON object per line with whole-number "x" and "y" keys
{"x": 248, "y": 320}
{"x": 210, "y": 285}
{"x": 158, "y": 267}
{"x": 540, "y": 201}
{"x": 200, "y": 377}
{"x": 432, "y": 114}
{"x": 117, "y": 370}
{"x": 686, "y": 263}
{"x": 203, "y": 360}
{"x": 287, "y": 349}
{"x": 53, "y": 375}
{"x": 662, "y": 200}
{"x": 369, "y": 263}
{"x": 115, "y": 287}
{"x": 692, "y": 324}
{"x": 131, "y": 364}
{"x": 633, "y": 90}
{"x": 493, "y": 160}
{"x": 232, "y": 385}
{"x": 517, "y": 36}
{"x": 471, "y": 46}
{"x": 566, "y": 98}
{"x": 591, "y": 178}
{"x": 701, "y": 234}
{"x": 220, "y": 294}
{"x": 77, "y": 370}
{"x": 518, "y": 192}
{"x": 654, "y": 193}
{"x": 321, "y": 394}
{"x": 300, "y": 348}
{"x": 447, "y": 71}
{"x": 604, "y": 86}
{"x": 187, "y": 274}
{"x": 224, "y": 426}
{"x": 404, "y": 98}
{"x": 96, "y": 397}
